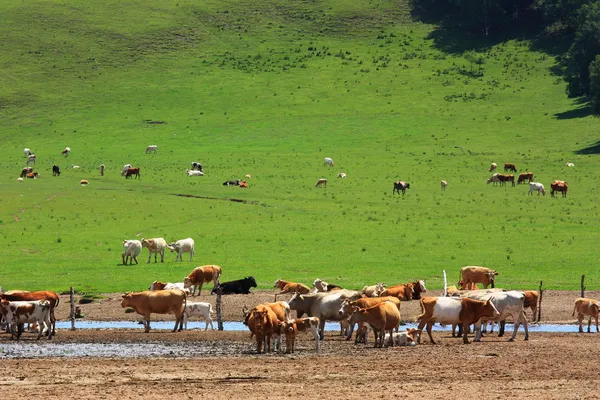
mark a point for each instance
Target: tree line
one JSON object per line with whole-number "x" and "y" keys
{"x": 574, "y": 24}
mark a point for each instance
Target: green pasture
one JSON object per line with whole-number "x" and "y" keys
{"x": 269, "y": 89}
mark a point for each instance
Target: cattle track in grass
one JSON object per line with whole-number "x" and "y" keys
{"x": 221, "y": 198}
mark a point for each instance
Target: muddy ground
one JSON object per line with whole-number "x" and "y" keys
{"x": 224, "y": 364}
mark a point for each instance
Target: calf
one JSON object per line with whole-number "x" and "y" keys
{"x": 19, "y": 295}
{"x": 198, "y": 309}
{"x": 374, "y": 290}
{"x": 400, "y": 186}
{"x": 289, "y": 329}
{"x": 309, "y": 324}
{"x": 17, "y": 313}
{"x": 200, "y": 275}
{"x": 585, "y": 307}
{"x": 55, "y": 170}
{"x": 452, "y": 310}
{"x": 290, "y": 287}
{"x": 405, "y": 338}
{"x": 240, "y": 286}
{"x": 382, "y": 318}
{"x": 531, "y": 301}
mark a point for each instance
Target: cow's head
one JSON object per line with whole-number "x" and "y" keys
{"x": 489, "y": 310}
{"x": 259, "y": 319}
{"x": 320, "y": 285}
{"x": 345, "y": 308}
{"x": 252, "y": 281}
{"x": 276, "y": 284}
{"x": 126, "y": 301}
{"x": 173, "y": 247}
{"x": 295, "y": 299}
{"x": 187, "y": 282}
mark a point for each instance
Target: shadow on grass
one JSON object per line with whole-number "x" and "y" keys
{"x": 580, "y": 112}
{"x": 593, "y": 149}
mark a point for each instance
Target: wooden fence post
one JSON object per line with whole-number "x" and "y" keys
{"x": 582, "y": 286}
{"x": 219, "y": 308}
{"x": 539, "y": 310}
{"x": 72, "y": 297}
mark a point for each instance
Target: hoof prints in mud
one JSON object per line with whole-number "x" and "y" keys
{"x": 133, "y": 350}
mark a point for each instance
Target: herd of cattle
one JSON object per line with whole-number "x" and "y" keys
{"x": 502, "y": 179}
{"x": 374, "y": 308}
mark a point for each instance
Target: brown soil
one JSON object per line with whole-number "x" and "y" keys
{"x": 548, "y": 366}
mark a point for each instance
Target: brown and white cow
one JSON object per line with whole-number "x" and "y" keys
{"x": 510, "y": 167}
{"x": 493, "y": 166}
{"x": 157, "y": 302}
{"x": 17, "y": 313}
{"x": 132, "y": 171}
{"x": 25, "y": 171}
{"x": 472, "y": 274}
{"x": 309, "y": 324}
{"x": 200, "y": 275}
{"x": 559, "y": 186}
{"x": 400, "y": 186}
{"x": 382, "y": 318}
{"x": 34, "y": 296}
{"x": 453, "y": 310}
{"x": 406, "y": 291}
{"x": 290, "y": 287}
{"x": 156, "y": 246}
{"x": 321, "y": 182}
{"x": 587, "y": 307}
{"x": 525, "y": 176}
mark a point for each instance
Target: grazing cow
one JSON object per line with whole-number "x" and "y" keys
{"x": 508, "y": 304}
{"x": 290, "y": 287}
{"x": 199, "y": 275}
{"x": 404, "y": 338}
{"x": 585, "y": 307}
{"x": 347, "y": 308}
{"x": 196, "y": 166}
{"x": 33, "y": 175}
{"x": 559, "y": 186}
{"x": 83, "y": 182}
{"x": 157, "y": 302}
{"x": 382, "y": 318}
{"x": 66, "y": 152}
{"x": 494, "y": 178}
{"x": 323, "y": 286}
{"x": 247, "y": 176}
{"x": 17, "y": 313}
{"x": 182, "y": 246}
{"x": 198, "y": 309}
{"x": 190, "y": 172}
{"x": 510, "y": 167}
{"x": 132, "y": 171}
{"x": 406, "y": 291}
{"x": 156, "y": 246}
{"x": 25, "y": 171}
{"x": 536, "y": 186}
{"x": 493, "y": 167}
{"x": 125, "y": 168}
{"x": 324, "y": 306}
{"x": 444, "y": 184}
{"x": 102, "y": 169}
{"x": 75, "y": 166}
{"x": 453, "y": 310}
{"x": 31, "y": 159}
{"x": 525, "y": 176}
{"x": 503, "y": 178}
{"x": 240, "y": 286}
{"x": 482, "y": 275}
{"x": 531, "y": 301}
{"x": 263, "y": 323}
{"x": 151, "y": 149}
{"x": 400, "y": 186}
{"x": 27, "y": 152}
{"x": 235, "y": 182}
{"x": 374, "y": 290}
{"x": 328, "y": 162}
{"x": 55, "y": 170}
{"x": 19, "y": 295}
{"x": 133, "y": 248}
{"x": 570, "y": 164}
{"x": 341, "y": 175}
{"x": 158, "y": 285}
{"x": 243, "y": 184}
{"x": 321, "y": 182}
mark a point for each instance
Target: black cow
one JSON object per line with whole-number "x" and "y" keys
{"x": 232, "y": 183}
{"x": 241, "y": 286}
{"x": 196, "y": 166}
{"x": 55, "y": 170}
{"x": 400, "y": 186}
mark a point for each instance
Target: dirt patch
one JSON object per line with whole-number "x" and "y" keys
{"x": 17, "y": 219}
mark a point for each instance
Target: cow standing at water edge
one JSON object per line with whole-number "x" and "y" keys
{"x": 587, "y": 307}
{"x": 17, "y": 313}
{"x": 157, "y": 302}
{"x": 52, "y": 297}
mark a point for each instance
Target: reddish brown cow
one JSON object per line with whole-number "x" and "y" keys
{"x": 406, "y": 291}
{"x": 290, "y": 287}
{"x": 525, "y": 176}
{"x": 585, "y": 307}
{"x": 467, "y": 285}
{"x": 32, "y": 296}
{"x": 262, "y": 322}
{"x": 383, "y": 317}
{"x": 503, "y": 178}
{"x": 364, "y": 302}
{"x": 290, "y": 329}
{"x": 157, "y": 302}
{"x": 469, "y": 275}
{"x": 510, "y": 167}
{"x": 559, "y": 186}
{"x": 132, "y": 171}
{"x": 199, "y": 275}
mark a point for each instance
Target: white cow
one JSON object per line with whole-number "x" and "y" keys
{"x": 404, "y": 338}
{"x": 198, "y": 309}
{"x": 341, "y": 175}
{"x": 156, "y": 285}
{"x": 21, "y": 312}
{"x": 20, "y": 180}
{"x": 444, "y": 184}
{"x": 182, "y": 246}
{"x": 66, "y": 152}
{"x": 74, "y": 166}
{"x": 328, "y": 161}
{"x": 133, "y": 248}
{"x": 151, "y": 149}
{"x": 190, "y": 172}
{"x": 536, "y": 186}
{"x": 373, "y": 290}
{"x": 156, "y": 246}
{"x": 27, "y": 152}
{"x": 125, "y": 168}
{"x": 570, "y": 164}
{"x": 31, "y": 159}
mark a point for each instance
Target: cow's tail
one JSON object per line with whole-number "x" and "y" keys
{"x": 574, "y": 309}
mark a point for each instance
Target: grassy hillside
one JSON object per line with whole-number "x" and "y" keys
{"x": 270, "y": 88}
